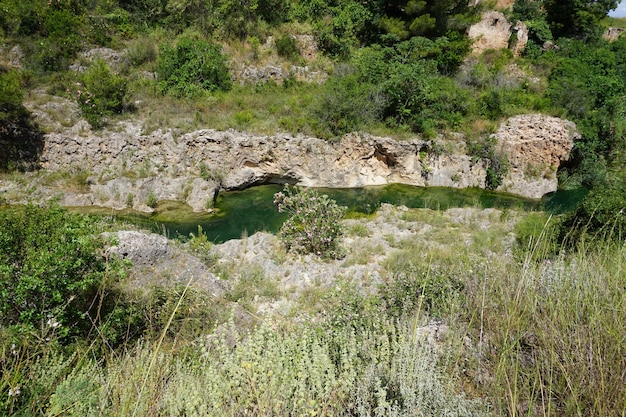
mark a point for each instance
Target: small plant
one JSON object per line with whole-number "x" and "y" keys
{"x": 313, "y": 224}
{"x": 199, "y": 244}
{"x": 211, "y": 174}
{"x": 496, "y": 161}
{"x": 151, "y": 200}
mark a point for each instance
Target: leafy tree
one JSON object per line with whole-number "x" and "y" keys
{"x": 404, "y": 18}
{"x": 578, "y": 18}
{"x": 344, "y": 27}
{"x": 191, "y": 66}
{"x": 496, "y": 161}
{"x": 146, "y": 12}
{"x": 347, "y": 104}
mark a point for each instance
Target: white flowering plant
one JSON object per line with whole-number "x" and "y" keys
{"x": 313, "y": 225}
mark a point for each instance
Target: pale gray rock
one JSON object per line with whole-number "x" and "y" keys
{"x": 535, "y": 146}
{"x": 156, "y": 261}
{"x": 492, "y": 32}
{"x": 612, "y": 34}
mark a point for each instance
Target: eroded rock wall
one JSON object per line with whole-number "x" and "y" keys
{"x": 126, "y": 168}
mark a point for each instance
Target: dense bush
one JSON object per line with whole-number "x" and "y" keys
{"x": 346, "y": 105}
{"x": 102, "y": 94}
{"x": 313, "y": 224}
{"x": 485, "y": 150}
{"x": 52, "y": 273}
{"x": 287, "y": 46}
{"x": 11, "y": 96}
{"x": 191, "y": 66}
{"x": 343, "y": 29}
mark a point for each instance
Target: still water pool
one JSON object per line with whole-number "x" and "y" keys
{"x": 252, "y": 210}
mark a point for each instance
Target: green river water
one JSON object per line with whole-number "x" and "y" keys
{"x": 252, "y": 210}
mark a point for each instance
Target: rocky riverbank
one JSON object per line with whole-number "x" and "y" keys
{"x": 124, "y": 168}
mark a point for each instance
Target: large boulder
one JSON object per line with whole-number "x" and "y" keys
{"x": 156, "y": 261}
{"x": 494, "y": 31}
{"x": 535, "y": 146}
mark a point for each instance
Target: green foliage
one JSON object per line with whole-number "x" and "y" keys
{"x": 424, "y": 17}
{"x": 61, "y": 28}
{"x": 11, "y": 96}
{"x": 20, "y": 139}
{"x": 145, "y": 12}
{"x": 600, "y": 216}
{"x": 199, "y": 244}
{"x": 151, "y": 200}
{"x": 415, "y": 287}
{"x": 346, "y": 105}
{"x": 496, "y": 162}
{"x": 412, "y": 91}
{"x": 103, "y": 94}
{"x": 192, "y": 66}
{"x": 526, "y": 310}
{"x": 140, "y": 51}
{"x": 313, "y": 224}
{"x": 192, "y": 314}
{"x": 243, "y": 18}
{"x": 287, "y": 47}
{"x": 588, "y": 82}
{"x": 537, "y": 237}
{"x": 50, "y": 270}
{"x": 343, "y": 28}
{"x": 579, "y": 18}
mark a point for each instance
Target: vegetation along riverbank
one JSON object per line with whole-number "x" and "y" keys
{"x": 367, "y": 306}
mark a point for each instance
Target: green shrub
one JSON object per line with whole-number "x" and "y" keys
{"x": 103, "y": 94}
{"x": 346, "y": 105}
{"x": 192, "y": 66}
{"x": 412, "y": 287}
{"x": 537, "y": 236}
{"x": 497, "y": 163}
{"x": 50, "y": 270}
{"x": 20, "y": 139}
{"x": 152, "y": 200}
{"x": 343, "y": 28}
{"x": 62, "y": 38}
{"x": 287, "y": 47}
{"x": 140, "y": 51}
{"x": 313, "y": 224}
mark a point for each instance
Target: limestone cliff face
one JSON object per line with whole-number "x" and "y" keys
{"x": 194, "y": 166}
{"x": 128, "y": 168}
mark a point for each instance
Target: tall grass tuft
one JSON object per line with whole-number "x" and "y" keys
{"x": 554, "y": 333}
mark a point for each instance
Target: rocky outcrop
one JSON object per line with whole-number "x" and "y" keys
{"x": 192, "y": 167}
{"x": 129, "y": 169}
{"x": 157, "y": 261}
{"x": 279, "y": 69}
{"x": 494, "y": 31}
{"x": 535, "y": 146}
{"x": 612, "y": 34}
